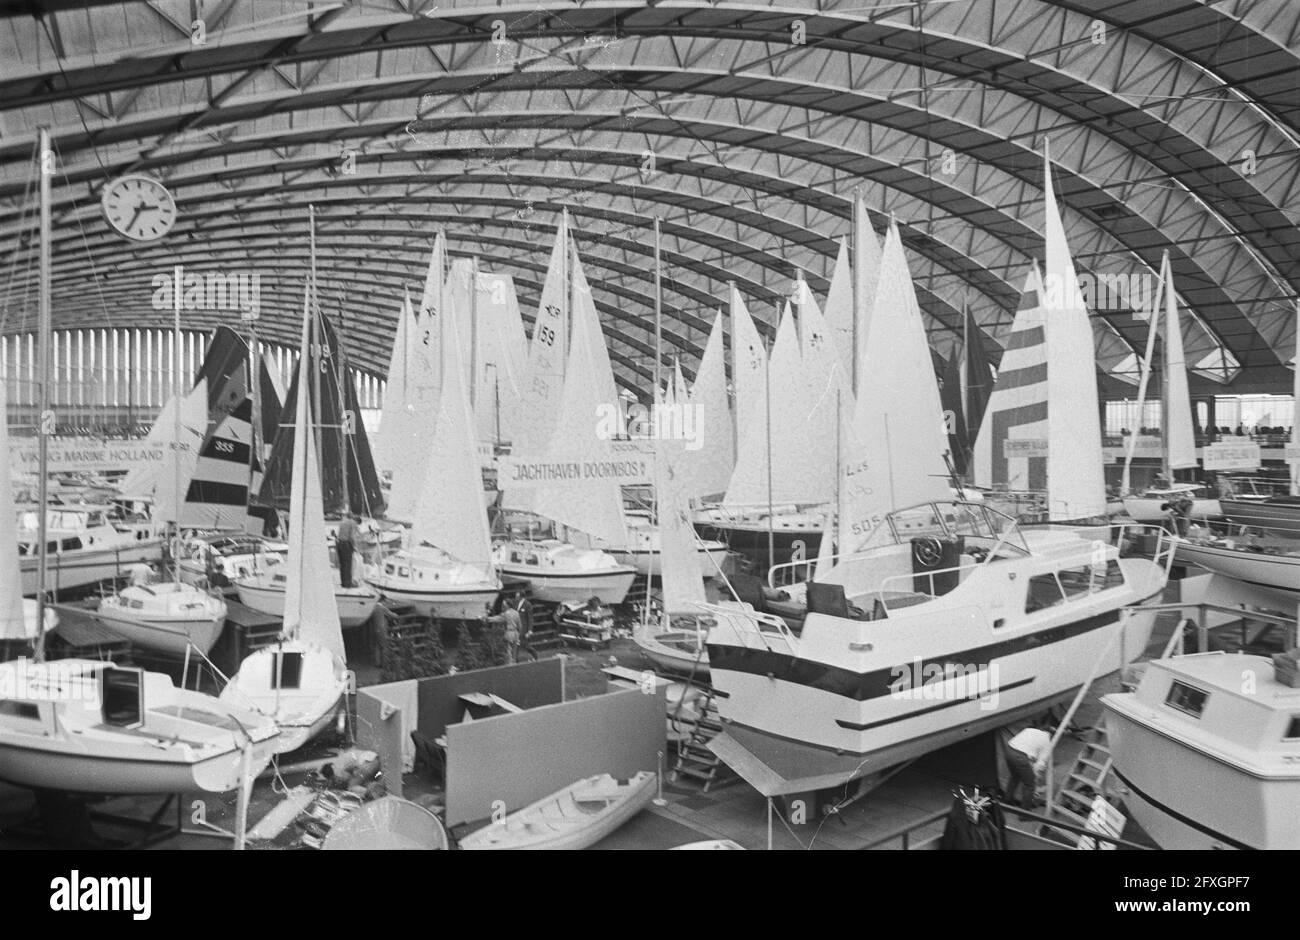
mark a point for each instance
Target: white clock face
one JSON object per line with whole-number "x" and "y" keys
{"x": 139, "y": 207}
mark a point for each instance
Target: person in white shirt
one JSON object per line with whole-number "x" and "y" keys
{"x": 1027, "y": 760}
{"x": 141, "y": 574}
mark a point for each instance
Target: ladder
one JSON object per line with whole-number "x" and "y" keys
{"x": 694, "y": 759}
{"x": 1087, "y": 779}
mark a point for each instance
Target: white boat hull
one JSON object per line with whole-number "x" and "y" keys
{"x": 675, "y": 657}
{"x": 1147, "y": 509}
{"x": 163, "y": 634}
{"x": 1185, "y": 798}
{"x": 647, "y": 561}
{"x": 464, "y": 602}
{"x": 569, "y": 830}
{"x": 88, "y": 567}
{"x": 300, "y": 713}
{"x": 1278, "y": 576}
{"x": 355, "y": 607}
{"x": 557, "y": 587}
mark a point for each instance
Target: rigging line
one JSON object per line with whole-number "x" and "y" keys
{"x": 33, "y": 169}
{"x": 76, "y": 99}
{"x": 81, "y": 229}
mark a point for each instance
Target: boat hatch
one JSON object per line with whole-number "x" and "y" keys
{"x": 122, "y": 697}
{"x": 1293, "y": 729}
{"x": 286, "y": 670}
{"x": 1186, "y": 698}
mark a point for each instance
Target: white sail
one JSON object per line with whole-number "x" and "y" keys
{"x": 680, "y": 392}
{"x": 825, "y": 550}
{"x": 277, "y": 385}
{"x": 839, "y": 308}
{"x": 1180, "y": 438}
{"x": 544, "y": 387}
{"x": 825, "y": 392}
{"x": 595, "y": 508}
{"x": 892, "y": 451}
{"x": 462, "y": 312}
{"x": 866, "y": 272}
{"x": 1076, "y": 486}
{"x": 423, "y": 388}
{"x": 748, "y": 365}
{"x": 181, "y": 457}
{"x": 1295, "y": 410}
{"x": 447, "y": 514}
{"x": 683, "y": 588}
{"x": 783, "y": 437}
{"x": 710, "y": 466}
{"x": 146, "y": 479}
{"x": 13, "y": 623}
{"x": 502, "y": 358}
{"x": 310, "y": 611}
{"x": 393, "y": 435}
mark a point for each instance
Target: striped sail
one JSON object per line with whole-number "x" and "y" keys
{"x": 1017, "y": 409}
{"x": 217, "y": 495}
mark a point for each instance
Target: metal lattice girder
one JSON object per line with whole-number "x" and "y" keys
{"x": 915, "y": 39}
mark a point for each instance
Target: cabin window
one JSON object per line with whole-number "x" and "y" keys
{"x": 516, "y": 557}
{"x": 279, "y": 579}
{"x": 1187, "y": 699}
{"x": 28, "y": 710}
{"x": 286, "y": 670}
{"x": 1076, "y": 582}
{"x": 71, "y": 544}
{"x": 388, "y": 569}
{"x": 533, "y": 560}
{"x": 1043, "y": 592}
{"x": 1293, "y": 729}
{"x": 123, "y": 697}
{"x": 403, "y": 572}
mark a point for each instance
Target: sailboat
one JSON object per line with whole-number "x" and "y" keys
{"x": 582, "y": 567}
{"x": 447, "y": 568}
{"x": 945, "y": 620}
{"x": 87, "y": 726}
{"x": 676, "y": 642}
{"x": 300, "y": 681}
{"x": 19, "y": 616}
{"x": 168, "y": 616}
{"x": 1178, "y": 439}
{"x": 1041, "y": 435}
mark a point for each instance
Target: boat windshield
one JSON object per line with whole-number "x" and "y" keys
{"x": 974, "y": 522}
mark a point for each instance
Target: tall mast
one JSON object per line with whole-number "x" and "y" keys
{"x": 659, "y": 311}
{"x": 313, "y": 344}
{"x": 473, "y": 333}
{"x": 855, "y": 267}
{"x": 565, "y": 288}
{"x": 45, "y": 418}
{"x": 341, "y": 378}
{"x": 179, "y": 275}
{"x": 255, "y": 393}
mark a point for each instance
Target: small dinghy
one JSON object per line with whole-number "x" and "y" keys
{"x": 576, "y": 817}
{"x": 387, "y": 823}
{"x": 710, "y": 845}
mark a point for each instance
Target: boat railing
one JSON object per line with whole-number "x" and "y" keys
{"x": 907, "y": 837}
{"x": 910, "y": 578}
{"x": 756, "y": 630}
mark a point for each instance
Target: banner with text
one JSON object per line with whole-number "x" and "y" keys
{"x": 94, "y": 455}
{"x": 629, "y": 465}
{"x": 1220, "y": 456}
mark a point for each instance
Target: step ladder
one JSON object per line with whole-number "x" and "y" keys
{"x": 1087, "y": 778}
{"x": 639, "y": 592}
{"x": 694, "y": 759}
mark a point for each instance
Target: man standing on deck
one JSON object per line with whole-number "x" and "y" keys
{"x": 345, "y": 542}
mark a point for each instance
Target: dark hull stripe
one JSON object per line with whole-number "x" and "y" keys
{"x": 219, "y": 494}
{"x": 881, "y": 682}
{"x": 534, "y": 573}
{"x": 854, "y": 726}
{"x": 431, "y": 595}
{"x": 1174, "y": 814}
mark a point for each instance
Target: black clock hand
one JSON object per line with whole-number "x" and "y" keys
{"x": 138, "y": 209}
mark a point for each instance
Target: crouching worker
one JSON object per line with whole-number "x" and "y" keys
{"x": 1026, "y": 754}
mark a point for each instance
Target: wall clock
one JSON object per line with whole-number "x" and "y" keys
{"x": 139, "y": 207}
